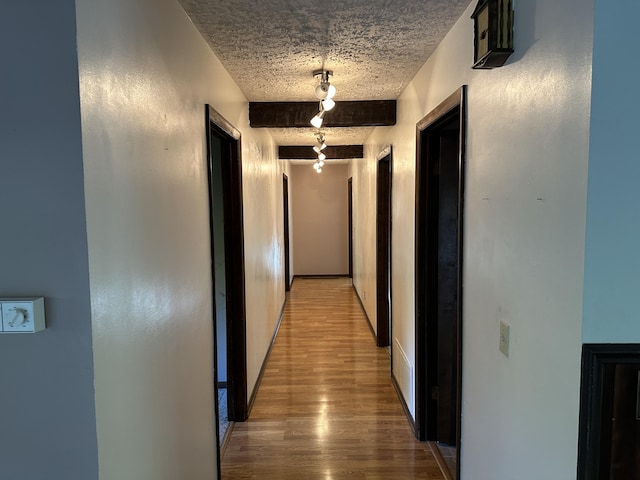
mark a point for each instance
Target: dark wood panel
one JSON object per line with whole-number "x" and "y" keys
{"x": 333, "y": 152}
{"x": 363, "y": 113}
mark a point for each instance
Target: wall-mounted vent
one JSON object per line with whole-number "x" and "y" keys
{"x": 403, "y": 371}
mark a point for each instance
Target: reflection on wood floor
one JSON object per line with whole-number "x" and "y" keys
{"x": 326, "y": 408}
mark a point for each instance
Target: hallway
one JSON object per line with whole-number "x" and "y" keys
{"x": 326, "y": 408}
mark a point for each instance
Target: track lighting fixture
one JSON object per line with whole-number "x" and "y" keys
{"x": 327, "y": 104}
{"x": 316, "y": 121}
{"x": 325, "y": 93}
{"x": 324, "y": 89}
{"x": 321, "y": 143}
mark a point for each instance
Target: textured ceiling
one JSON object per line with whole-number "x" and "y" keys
{"x": 374, "y": 47}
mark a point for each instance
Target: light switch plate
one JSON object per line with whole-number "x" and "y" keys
{"x": 504, "y": 338}
{"x": 22, "y": 315}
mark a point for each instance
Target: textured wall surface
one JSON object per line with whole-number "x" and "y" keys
{"x": 612, "y": 261}
{"x": 524, "y": 225}
{"x": 47, "y": 415}
{"x": 145, "y": 77}
{"x": 320, "y": 215}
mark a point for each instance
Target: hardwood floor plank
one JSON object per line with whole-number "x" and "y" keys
{"x": 326, "y": 408}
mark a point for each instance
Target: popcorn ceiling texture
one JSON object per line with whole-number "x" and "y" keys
{"x": 374, "y": 47}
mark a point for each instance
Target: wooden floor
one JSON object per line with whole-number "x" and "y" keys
{"x": 326, "y": 408}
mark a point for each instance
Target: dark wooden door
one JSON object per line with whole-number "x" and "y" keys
{"x": 224, "y": 138}
{"x": 285, "y": 201}
{"x": 350, "y": 202}
{"x": 447, "y": 268}
{"x": 383, "y": 251}
{"x": 439, "y": 193}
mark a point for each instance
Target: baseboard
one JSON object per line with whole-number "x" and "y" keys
{"x": 405, "y": 408}
{"x": 254, "y": 394}
{"x": 440, "y": 461}
{"x": 225, "y": 439}
{"x": 373, "y": 333}
{"x": 327, "y": 275}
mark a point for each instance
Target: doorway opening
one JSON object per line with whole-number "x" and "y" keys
{"x": 224, "y": 165}
{"x": 350, "y": 208}
{"x": 287, "y": 260}
{"x": 439, "y": 212}
{"x": 383, "y": 248}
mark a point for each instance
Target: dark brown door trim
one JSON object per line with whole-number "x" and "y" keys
{"x": 350, "y": 207}
{"x": 234, "y": 258}
{"x": 383, "y": 247}
{"x": 426, "y": 261}
{"x": 285, "y": 202}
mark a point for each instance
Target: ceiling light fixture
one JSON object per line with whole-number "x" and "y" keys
{"x": 316, "y": 121}
{"x": 324, "y": 88}
{"x": 325, "y": 93}
{"x": 321, "y": 143}
{"x": 327, "y": 104}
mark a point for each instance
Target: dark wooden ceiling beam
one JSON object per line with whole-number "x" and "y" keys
{"x": 364, "y": 113}
{"x": 333, "y": 152}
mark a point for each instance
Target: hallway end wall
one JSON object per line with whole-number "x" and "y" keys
{"x": 145, "y": 77}
{"x": 319, "y": 211}
{"x": 524, "y": 224}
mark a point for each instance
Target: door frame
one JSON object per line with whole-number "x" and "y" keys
{"x": 384, "y": 162}
{"x": 350, "y": 208}
{"x": 424, "y": 423}
{"x": 217, "y": 125}
{"x": 285, "y": 221}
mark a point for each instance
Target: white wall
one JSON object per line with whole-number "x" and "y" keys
{"x": 612, "y": 261}
{"x": 47, "y": 413}
{"x": 525, "y": 197}
{"x": 145, "y": 76}
{"x": 319, "y": 211}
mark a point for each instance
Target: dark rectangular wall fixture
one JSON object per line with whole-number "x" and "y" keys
{"x": 365, "y": 113}
{"x": 333, "y": 152}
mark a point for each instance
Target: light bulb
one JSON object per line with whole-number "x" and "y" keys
{"x": 316, "y": 149}
{"x": 322, "y": 91}
{"x": 328, "y": 104}
{"x": 331, "y": 91}
{"x": 321, "y": 156}
{"x": 319, "y": 170}
{"x": 321, "y": 163}
{"x": 316, "y": 165}
{"x": 317, "y": 120}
